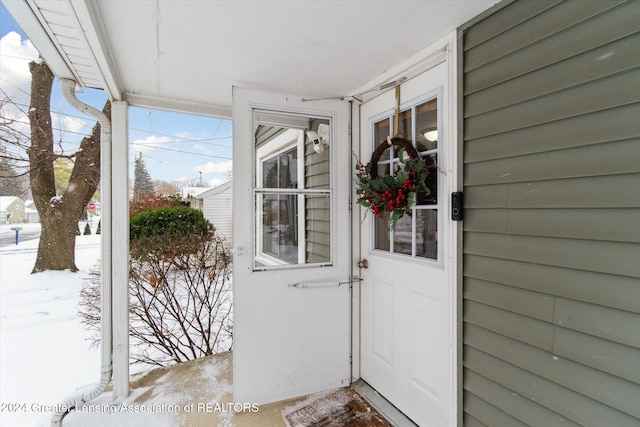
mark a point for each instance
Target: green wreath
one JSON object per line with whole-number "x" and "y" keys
{"x": 392, "y": 194}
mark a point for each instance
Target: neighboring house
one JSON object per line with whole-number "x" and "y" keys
{"x": 31, "y": 212}
{"x": 12, "y": 210}
{"x": 193, "y": 196}
{"x": 218, "y": 209}
{"x": 526, "y": 312}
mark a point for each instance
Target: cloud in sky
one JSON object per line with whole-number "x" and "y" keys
{"x": 148, "y": 144}
{"x": 72, "y": 124}
{"x": 15, "y": 55}
{"x": 203, "y": 149}
{"x": 215, "y": 168}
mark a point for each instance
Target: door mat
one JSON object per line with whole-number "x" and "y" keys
{"x": 342, "y": 408}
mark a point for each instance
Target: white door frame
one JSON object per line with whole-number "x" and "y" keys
{"x": 445, "y": 49}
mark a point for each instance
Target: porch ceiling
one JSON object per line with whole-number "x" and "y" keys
{"x": 187, "y": 55}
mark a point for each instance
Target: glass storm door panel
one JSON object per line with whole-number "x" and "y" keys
{"x": 291, "y": 261}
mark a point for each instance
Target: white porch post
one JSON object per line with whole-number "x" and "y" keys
{"x": 120, "y": 247}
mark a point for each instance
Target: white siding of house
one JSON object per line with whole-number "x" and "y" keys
{"x": 218, "y": 209}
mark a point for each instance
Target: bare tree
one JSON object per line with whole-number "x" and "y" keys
{"x": 12, "y": 183}
{"x": 59, "y": 214}
{"x": 180, "y": 302}
{"x": 13, "y": 171}
{"x": 165, "y": 187}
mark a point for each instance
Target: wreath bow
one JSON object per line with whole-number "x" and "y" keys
{"x": 394, "y": 193}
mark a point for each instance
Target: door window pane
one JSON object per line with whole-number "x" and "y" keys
{"x": 431, "y": 181}
{"x": 415, "y": 235}
{"x": 427, "y": 233}
{"x": 381, "y": 131}
{"x": 402, "y": 236}
{"x": 279, "y": 230}
{"x": 317, "y": 227}
{"x": 427, "y": 126}
{"x": 381, "y": 234}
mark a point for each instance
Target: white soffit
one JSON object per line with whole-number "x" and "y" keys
{"x": 187, "y": 55}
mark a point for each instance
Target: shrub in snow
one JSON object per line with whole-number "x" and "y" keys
{"x": 169, "y": 220}
{"x": 87, "y": 230}
{"x": 180, "y": 298}
{"x": 98, "y": 229}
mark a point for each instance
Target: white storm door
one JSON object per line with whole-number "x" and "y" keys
{"x": 406, "y": 297}
{"x": 291, "y": 232}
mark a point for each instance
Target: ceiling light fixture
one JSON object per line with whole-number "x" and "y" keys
{"x": 430, "y": 134}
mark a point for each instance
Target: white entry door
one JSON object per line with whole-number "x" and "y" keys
{"x": 406, "y": 296}
{"x": 291, "y": 235}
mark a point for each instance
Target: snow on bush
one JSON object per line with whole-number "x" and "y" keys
{"x": 179, "y": 287}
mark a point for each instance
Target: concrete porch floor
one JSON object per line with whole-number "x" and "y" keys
{"x": 191, "y": 379}
{"x": 200, "y": 391}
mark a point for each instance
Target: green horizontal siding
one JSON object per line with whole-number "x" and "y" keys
{"x": 599, "y": 127}
{"x": 592, "y": 224}
{"x": 618, "y": 258}
{"x": 485, "y": 414}
{"x": 318, "y": 213}
{"x": 587, "y": 192}
{"x": 589, "y": 66}
{"x": 551, "y": 244}
{"x": 494, "y": 25}
{"x": 620, "y": 22}
{"x": 603, "y": 94}
{"x": 599, "y": 321}
{"x": 621, "y": 292}
{"x": 610, "y": 158}
{"x": 520, "y": 407}
{"x": 537, "y": 305}
{"x": 556, "y": 383}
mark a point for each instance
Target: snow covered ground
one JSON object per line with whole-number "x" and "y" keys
{"x": 44, "y": 358}
{"x": 43, "y": 353}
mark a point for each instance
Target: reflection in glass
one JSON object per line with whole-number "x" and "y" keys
{"x": 427, "y": 233}
{"x": 427, "y": 126}
{"x": 431, "y": 181}
{"x": 402, "y": 236}
{"x": 279, "y": 231}
{"x": 317, "y": 229}
{"x": 281, "y": 171}
{"x": 404, "y": 125}
{"x": 381, "y": 233}
{"x": 292, "y": 191}
{"x": 381, "y": 131}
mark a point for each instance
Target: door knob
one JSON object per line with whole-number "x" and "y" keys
{"x": 363, "y": 263}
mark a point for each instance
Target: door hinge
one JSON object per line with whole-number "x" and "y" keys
{"x": 457, "y": 206}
